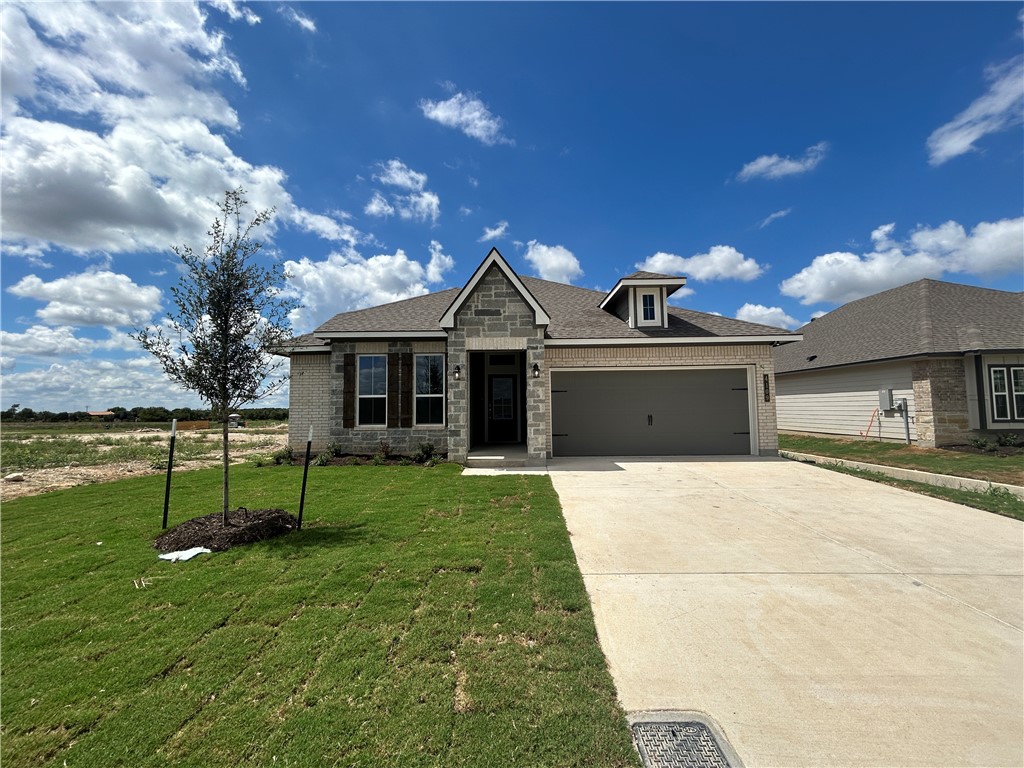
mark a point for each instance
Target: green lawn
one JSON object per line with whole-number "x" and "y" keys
{"x": 420, "y": 618}
{"x": 996, "y": 469}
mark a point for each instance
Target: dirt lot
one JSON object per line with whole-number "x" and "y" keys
{"x": 244, "y": 445}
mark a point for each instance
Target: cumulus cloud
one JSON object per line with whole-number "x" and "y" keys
{"x": 721, "y": 262}
{"x": 99, "y": 298}
{"x": 776, "y": 166}
{"x": 420, "y": 204}
{"x": 991, "y": 249}
{"x": 469, "y": 115}
{"x": 774, "y": 316}
{"x": 494, "y": 233}
{"x": 43, "y": 341}
{"x": 346, "y": 280}
{"x": 1000, "y": 108}
{"x": 553, "y": 262}
{"x": 775, "y": 217}
{"x": 142, "y": 158}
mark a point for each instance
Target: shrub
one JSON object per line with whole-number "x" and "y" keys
{"x": 383, "y": 449}
{"x": 322, "y": 460}
{"x": 405, "y": 461}
{"x": 335, "y": 449}
{"x": 1008, "y": 439}
{"x": 377, "y": 460}
{"x": 980, "y": 443}
{"x": 258, "y": 461}
{"x": 425, "y": 452}
{"x": 282, "y": 456}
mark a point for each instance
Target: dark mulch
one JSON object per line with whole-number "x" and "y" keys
{"x": 245, "y": 526}
{"x": 992, "y": 450}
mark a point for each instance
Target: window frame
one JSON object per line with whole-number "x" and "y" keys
{"x": 416, "y": 396}
{"x": 1009, "y": 394}
{"x": 655, "y": 296}
{"x": 360, "y": 396}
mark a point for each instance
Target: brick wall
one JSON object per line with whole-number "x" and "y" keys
{"x": 940, "y": 394}
{"x": 758, "y": 355}
{"x": 307, "y": 401}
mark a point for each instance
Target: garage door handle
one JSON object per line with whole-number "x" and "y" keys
{"x": 650, "y": 420}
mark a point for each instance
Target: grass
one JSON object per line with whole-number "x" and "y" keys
{"x": 993, "y": 468}
{"x": 420, "y": 618}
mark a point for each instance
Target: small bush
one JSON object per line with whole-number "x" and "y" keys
{"x": 322, "y": 460}
{"x": 384, "y": 449}
{"x": 282, "y": 456}
{"x": 981, "y": 444}
{"x": 356, "y": 461}
{"x": 405, "y": 461}
{"x": 258, "y": 461}
{"x": 335, "y": 449}
{"x": 425, "y": 452}
{"x": 1009, "y": 440}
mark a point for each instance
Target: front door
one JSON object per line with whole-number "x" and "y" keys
{"x": 502, "y": 416}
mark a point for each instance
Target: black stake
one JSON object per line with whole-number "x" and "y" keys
{"x": 170, "y": 465}
{"x": 305, "y": 472}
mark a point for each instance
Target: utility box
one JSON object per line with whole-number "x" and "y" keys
{"x": 885, "y": 401}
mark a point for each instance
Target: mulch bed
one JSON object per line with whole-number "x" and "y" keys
{"x": 245, "y": 526}
{"x": 994, "y": 450}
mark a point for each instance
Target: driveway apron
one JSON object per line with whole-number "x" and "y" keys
{"x": 818, "y": 619}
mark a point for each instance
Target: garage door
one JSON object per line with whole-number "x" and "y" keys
{"x": 650, "y": 413}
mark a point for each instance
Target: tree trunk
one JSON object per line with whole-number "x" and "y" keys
{"x": 224, "y": 435}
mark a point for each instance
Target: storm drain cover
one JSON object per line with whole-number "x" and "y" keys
{"x": 678, "y": 745}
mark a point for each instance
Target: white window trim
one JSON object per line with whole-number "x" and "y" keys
{"x": 360, "y": 395}
{"x": 1009, "y": 393}
{"x": 442, "y": 396}
{"x": 655, "y": 294}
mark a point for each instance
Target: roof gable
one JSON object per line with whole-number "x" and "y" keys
{"x": 496, "y": 260}
{"x": 643, "y": 279}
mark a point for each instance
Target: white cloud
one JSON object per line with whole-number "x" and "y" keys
{"x": 464, "y": 211}
{"x": 469, "y": 115}
{"x": 991, "y": 249}
{"x": 419, "y": 206}
{"x": 142, "y": 160}
{"x": 300, "y": 20}
{"x": 395, "y": 173}
{"x": 721, "y": 262}
{"x": 236, "y": 11}
{"x": 346, "y": 281}
{"x": 998, "y": 109}
{"x": 775, "y": 166}
{"x": 775, "y": 217}
{"x": 494, "y": 233}
{"x": 90, "y": 298}
{"x": 774, "y": 316}
{"x": 378, "y": 206}
{"x": 42, "y": 341}
{"x": 553, "y": 262}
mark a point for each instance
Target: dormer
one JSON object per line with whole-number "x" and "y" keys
{"x": 641, "y": 299}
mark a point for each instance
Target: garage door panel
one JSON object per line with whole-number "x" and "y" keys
{"x": 650, "y": 412}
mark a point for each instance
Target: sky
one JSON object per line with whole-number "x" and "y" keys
{"x": 785, "y": 158}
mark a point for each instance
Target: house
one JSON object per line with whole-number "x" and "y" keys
{"x": 954, "y": 353}
{"x": 538, "y": 367}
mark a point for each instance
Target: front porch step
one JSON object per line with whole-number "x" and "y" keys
{"x": 499, "y": 458}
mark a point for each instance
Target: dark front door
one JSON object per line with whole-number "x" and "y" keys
{"x": 502, "y": 409}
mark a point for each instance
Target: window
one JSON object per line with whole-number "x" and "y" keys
{"x": 373, "y": 390}
{"x": 429, "y": 389}
{"x": 647, "y": 300}
{"x": 1007, "y": 388}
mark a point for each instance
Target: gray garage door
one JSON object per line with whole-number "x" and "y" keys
{"x": 649, "y": 413}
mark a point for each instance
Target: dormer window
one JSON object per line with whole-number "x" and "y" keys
{"x": 649, "y": 309}
{"x": 640, "y": 300}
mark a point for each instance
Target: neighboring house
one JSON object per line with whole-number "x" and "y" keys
{"x": 955, "y": 353}
{"x": 539, "y": 368}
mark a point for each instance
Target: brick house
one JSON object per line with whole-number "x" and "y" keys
{"x": 954, "y": 353}
{"x": 517, "y": 364}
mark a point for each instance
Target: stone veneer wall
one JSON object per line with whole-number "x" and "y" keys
{"x": 696, "y": 355}
{"x": 494, "y": 316}
{"x": 367, "y": 439}
{"x": 307, "y": 400}
{"x": 940, "y": 394}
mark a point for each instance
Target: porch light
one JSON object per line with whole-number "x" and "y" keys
{"x": 536, "y": 371}
{"x": 457, "y": 373}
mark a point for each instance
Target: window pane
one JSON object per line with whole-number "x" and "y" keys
{"x": 430, "y": 410}
{"x": 373, "y": 410}
{"x": 1017, "y": 380}
{"x": 373, "y": 374}
{"x": 430, "y": 374}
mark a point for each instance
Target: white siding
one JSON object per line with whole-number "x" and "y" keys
{"x": 844, "y": 401}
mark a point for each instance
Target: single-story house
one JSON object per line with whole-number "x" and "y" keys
{"x": 542, "y": 367}
{"x": 954, "y": 353}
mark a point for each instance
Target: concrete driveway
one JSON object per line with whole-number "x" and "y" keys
{"x": 818, "y": 619}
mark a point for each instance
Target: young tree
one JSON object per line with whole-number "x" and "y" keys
{"x": 229, "y": 317}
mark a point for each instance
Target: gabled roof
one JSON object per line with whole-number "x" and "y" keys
{"x": 417, "y": 316}
{"x": 927, "y": 317}
{"x": 651, "y": 279}
{"x": 496, "y": 260}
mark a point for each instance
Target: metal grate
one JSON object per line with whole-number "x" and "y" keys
{"x": 678, "y": 745}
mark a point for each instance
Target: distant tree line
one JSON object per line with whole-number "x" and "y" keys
{"x": 139, "y": 413}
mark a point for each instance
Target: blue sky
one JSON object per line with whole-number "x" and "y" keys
{"x": 786, "y": 158}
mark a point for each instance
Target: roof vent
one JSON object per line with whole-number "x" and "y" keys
{"x": 811, "y": 358}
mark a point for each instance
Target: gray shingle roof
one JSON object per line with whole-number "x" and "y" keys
{"x": 927, "y": 317}
{"x": 574, "y": 315}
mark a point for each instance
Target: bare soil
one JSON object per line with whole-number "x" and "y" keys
{"x": 245, "y": 526}
{"x": 995, "y": 450}
{"x": 243, "y": 445}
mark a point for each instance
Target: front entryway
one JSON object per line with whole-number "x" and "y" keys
{"x": 497, "y": 398}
